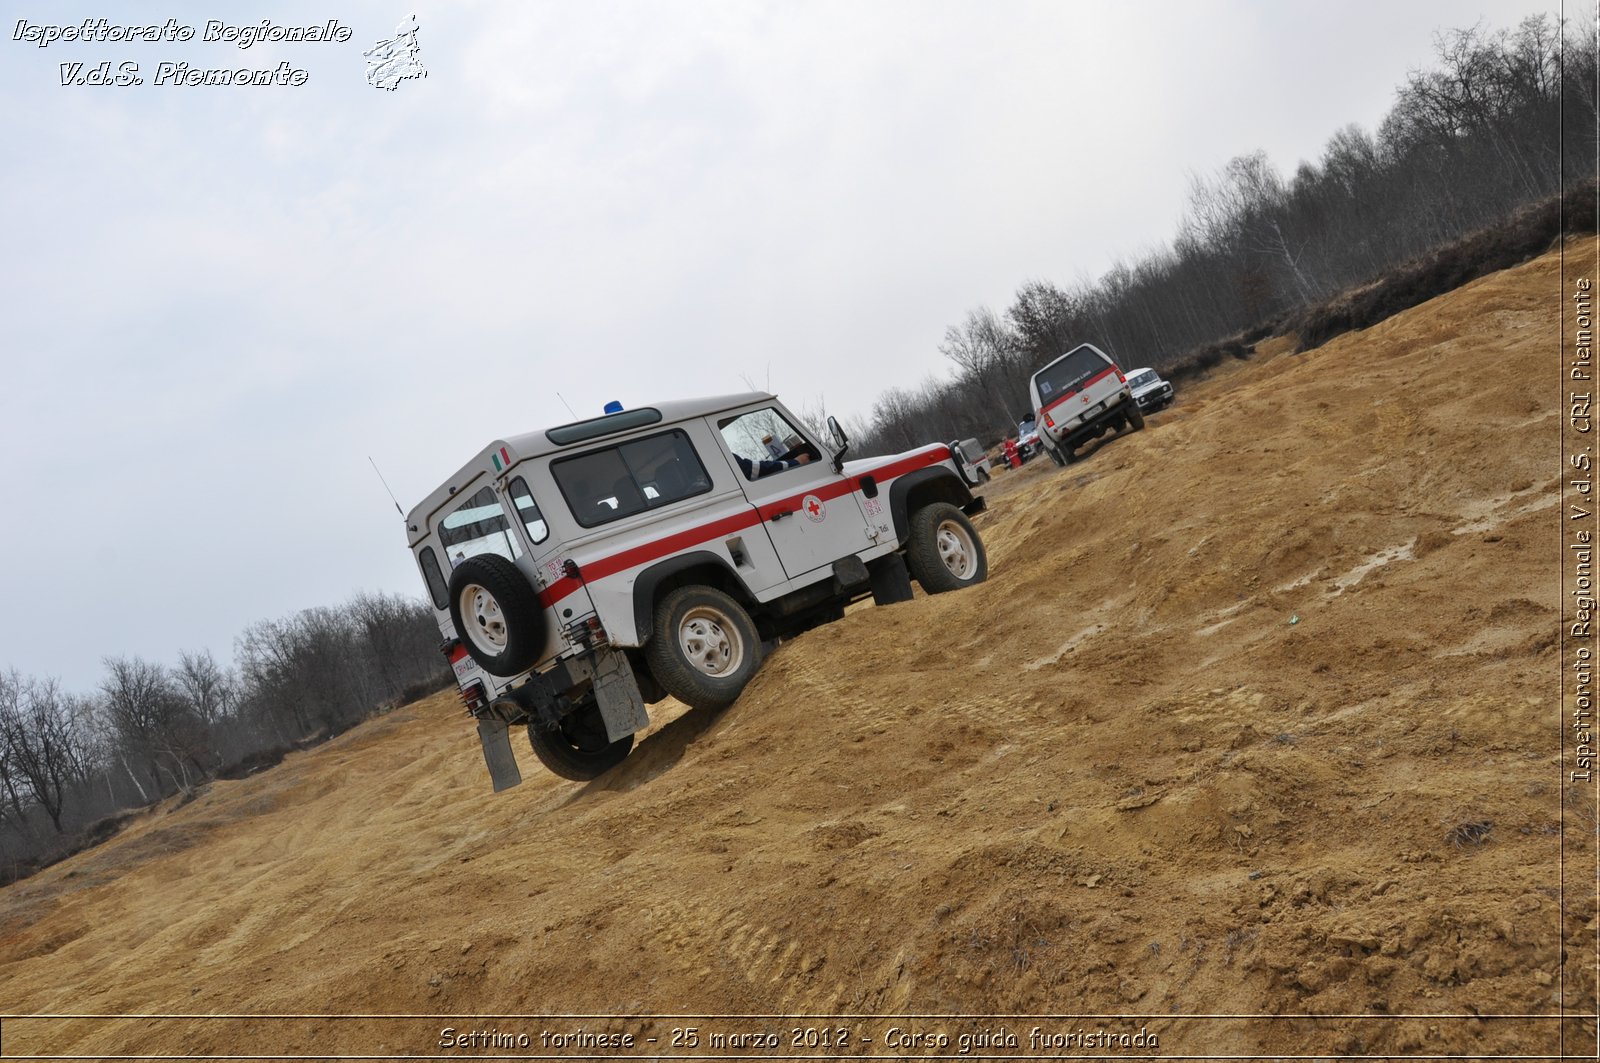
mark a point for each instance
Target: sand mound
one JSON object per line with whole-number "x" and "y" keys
{"x": 1257, "y": 716}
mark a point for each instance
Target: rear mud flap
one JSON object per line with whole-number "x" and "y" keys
{"x": 495, "y": 736}
{"x": 616, "y": 691}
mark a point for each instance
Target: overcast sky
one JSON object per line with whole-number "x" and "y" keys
{"x": 219, "y": 301}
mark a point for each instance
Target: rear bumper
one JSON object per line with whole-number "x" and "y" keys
{"x": 1094, "y": 425}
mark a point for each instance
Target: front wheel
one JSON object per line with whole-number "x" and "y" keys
{"x": 704, "y": 649}
{"x": 945, "y": 553}
{"x": 579, "y": 749}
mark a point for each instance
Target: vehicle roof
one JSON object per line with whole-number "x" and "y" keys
{"x": 510, "y": 450}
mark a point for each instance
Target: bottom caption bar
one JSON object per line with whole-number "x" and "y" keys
{"x": 710, "y": 1037}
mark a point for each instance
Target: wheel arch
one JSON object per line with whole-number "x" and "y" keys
{"x": 914, "y": 490}
{"x": 701, "y": 566}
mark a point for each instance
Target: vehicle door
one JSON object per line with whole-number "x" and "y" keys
{"x": 812, "y": 514}
{"x": 484, "y": 523}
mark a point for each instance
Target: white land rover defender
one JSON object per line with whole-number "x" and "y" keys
{"x": 584, "y": 571}
{"x": 1080, "y": 396}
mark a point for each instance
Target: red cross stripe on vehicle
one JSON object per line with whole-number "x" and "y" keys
{"x": 608, "y": 565}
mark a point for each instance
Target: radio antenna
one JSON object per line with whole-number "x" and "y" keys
{"x": 568, "y": 406}
{"x": 385, "y": 484}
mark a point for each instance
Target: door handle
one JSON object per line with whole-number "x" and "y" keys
{"x": 781, "y": 514}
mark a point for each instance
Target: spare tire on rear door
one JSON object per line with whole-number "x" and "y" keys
{"x": 497, "y": 614}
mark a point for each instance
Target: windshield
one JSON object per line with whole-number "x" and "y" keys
{"x": 1139, "y": 380}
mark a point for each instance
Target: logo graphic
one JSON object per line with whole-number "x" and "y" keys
{"x": 395, "y": 60}
{"x": 812, "y": 507}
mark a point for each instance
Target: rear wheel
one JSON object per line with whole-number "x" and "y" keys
{"x": 945, "y": 553}
{"x": 1055, "y": 454}
{"x": 1135, "y": 417}
{"x": 578, "y": 749}
{"x": 705, "y": 647}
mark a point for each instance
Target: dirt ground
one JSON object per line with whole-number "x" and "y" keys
{"x": 1249, "y": 743}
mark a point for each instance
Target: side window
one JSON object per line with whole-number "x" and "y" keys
{"x": 606, "y": 485}
{"x": 478, "y": 526}
{"x": 437, "y": 588}
{"x": 528, "y": 510}
{"x": 765, "y": 436}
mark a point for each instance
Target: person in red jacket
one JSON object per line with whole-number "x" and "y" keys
{"x": 1013, "y": 459}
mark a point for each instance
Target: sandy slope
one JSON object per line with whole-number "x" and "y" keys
{"x": 1118, "y": 779}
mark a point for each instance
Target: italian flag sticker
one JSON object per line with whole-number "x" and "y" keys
{"x": 502, "y": 459}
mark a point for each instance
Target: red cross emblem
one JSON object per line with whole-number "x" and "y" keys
{"x": 811, "y": 506}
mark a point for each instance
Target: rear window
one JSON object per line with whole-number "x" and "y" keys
{"x": 616, "y": 482}
{"x": 1070, "y": 372}
{"x": 478, "y": 526}
{"x": 434, "y": 578}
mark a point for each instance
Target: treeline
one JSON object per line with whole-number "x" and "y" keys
{"x": 1497, "y": 125}
{"x": 70, "y": 763}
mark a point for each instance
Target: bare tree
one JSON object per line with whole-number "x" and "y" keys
{"x": 138, "y": 700}
{"x": 40, "y": 736}
{"x": 207, "y": 691}
{"x": 13, "y": 691}
{"x": 980, "y": 347}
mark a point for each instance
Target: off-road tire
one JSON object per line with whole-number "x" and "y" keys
{"x": 579, "y": 749}
{"x": 704, "y": 648}
{"x": 1055, "y": 454}
{"x": 945, "y": 553}
{"x": 497, "y": 615}
{"x": 1135, "y": 416}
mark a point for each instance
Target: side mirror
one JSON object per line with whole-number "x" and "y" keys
{"x": 841, "y": 443}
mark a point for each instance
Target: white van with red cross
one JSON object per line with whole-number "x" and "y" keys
{"x": 1080, "y": 396}
{"x": 582, "y": 572}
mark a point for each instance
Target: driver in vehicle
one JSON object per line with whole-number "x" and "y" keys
{"x": 754, "y": 470}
